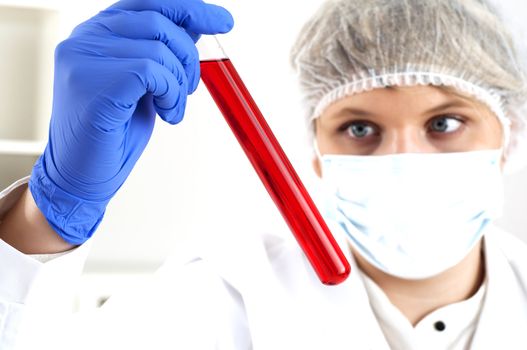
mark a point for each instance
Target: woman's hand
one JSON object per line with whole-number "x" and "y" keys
{"x": 112, "y": 75}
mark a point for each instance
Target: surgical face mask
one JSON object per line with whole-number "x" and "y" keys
{"x": 414, "y": 215}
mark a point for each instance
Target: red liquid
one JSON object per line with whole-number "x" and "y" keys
{"x": 275, "y": 170}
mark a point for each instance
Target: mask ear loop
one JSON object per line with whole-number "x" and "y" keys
{"x": 317, "y": 150}
{"x": 318, "y": 156}
{"x": 506, "y": 125}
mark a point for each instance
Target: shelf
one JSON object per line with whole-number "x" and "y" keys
{"x": 16, "y": 147}
{"x": 28, "y": 37}
{"x": 35, "y": 4}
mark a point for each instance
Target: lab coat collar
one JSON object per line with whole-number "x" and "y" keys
{"x": 354, "y": 306}
{"x": 287, "y": 306}
{"x": 503, "y": 319}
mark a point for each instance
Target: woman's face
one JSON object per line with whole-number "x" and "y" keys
{"x": 418, "y": 119}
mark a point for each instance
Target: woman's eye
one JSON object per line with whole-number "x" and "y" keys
{"x": 360, "y": 130}
{"x": 444, "y": 124}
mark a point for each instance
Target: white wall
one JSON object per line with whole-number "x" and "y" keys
{"x": 193, "y": 177}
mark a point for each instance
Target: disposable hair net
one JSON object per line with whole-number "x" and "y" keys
{"x": 352, "y": 46}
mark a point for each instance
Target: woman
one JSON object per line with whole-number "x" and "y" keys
{"x": 415, "y": 111}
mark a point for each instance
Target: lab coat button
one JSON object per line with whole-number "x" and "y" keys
{"x": 439, "y": 326}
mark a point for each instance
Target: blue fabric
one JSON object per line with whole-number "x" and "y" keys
{"x": 112, "y": 75}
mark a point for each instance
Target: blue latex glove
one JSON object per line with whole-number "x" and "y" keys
{"x": 112, "y": 75}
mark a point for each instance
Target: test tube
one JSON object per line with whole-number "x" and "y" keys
{"x": 270, "y": 162}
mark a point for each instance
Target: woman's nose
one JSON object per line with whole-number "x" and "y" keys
{"x": 405, "y": 140}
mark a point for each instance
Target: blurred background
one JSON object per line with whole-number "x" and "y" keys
{"x": 193, "y": 177}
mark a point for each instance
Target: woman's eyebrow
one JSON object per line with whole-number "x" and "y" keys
{"x": 446, "y": 105}
{"x": 355, "y": 111}
{"x": 364, "y": 113}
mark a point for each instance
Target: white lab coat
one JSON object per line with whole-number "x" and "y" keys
{"x": 244, "y": 292}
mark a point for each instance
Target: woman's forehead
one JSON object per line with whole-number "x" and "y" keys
{"x": 415, "y": 100}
